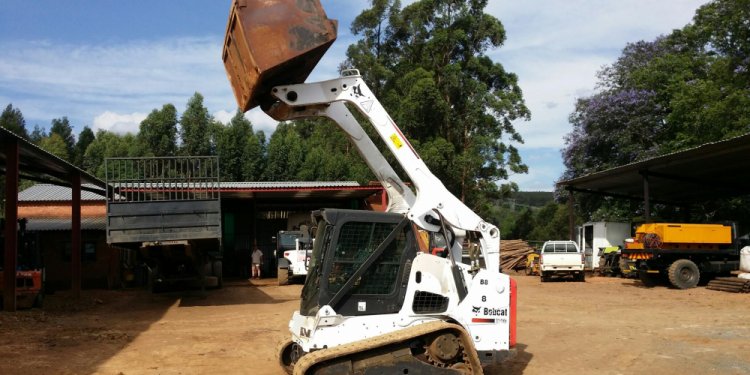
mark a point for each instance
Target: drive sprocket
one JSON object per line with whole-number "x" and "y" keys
{"x": 447, "y": 351}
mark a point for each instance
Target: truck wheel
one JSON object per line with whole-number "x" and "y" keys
{"x": 684, "y": 274}
{"x": 604, "y": 270}
{"x": 625, "y": 270}
{"x": 282, "y": 275}
{"x": 646, "y": 279}
{"x": 154, "y": 286}
{"x": 545, "y": 277}
{"x": 39, "y": 300}
{"x": 582, "y": 277}
{"x": 218, "y": 272}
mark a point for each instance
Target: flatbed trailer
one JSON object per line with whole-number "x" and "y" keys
{"x": 168, "y": 210}
{"x": 683, "y": 253}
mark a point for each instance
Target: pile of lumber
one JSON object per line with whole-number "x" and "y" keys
{"x": 513, "y": 254}
{"x": 729, "y": 284}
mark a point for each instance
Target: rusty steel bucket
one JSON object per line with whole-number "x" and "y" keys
{"x": 273, "y": 42}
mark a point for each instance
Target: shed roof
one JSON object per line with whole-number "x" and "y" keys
{"x": 60, "y": 224}
{"x": 39, "y": 165}
{"x": 298, "y": 190}
{"x": 55, "y": 193}
{"x": 713, "y": 170}
{"x": 259, "y": 190}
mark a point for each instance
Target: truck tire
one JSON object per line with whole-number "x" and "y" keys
{"x": 39, "y": 300}
{"x": 153, "y": 285}
{"x": 218, "y": 272}
{"x": 545, "y": 276}
{"x": 282, "y": 275}
{"x": 625, "y": 270}
{"x": 684, "y": 274}
{"x": 582, "y": 277}
{"x": 648, "y": 280}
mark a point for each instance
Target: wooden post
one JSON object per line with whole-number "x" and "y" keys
{"x": 571, "y": 217}
{"x": 11, "y": 220}
{"x": 646, "y": 199}
{"x": 254, "y": 236}
{"x": 75, "y": 238}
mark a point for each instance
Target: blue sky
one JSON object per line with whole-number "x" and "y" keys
{"x": 106, "y": 64}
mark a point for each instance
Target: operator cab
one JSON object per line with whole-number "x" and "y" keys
{"x": 359, "y": 263}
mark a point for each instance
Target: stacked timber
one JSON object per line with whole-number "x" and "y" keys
{"x": 513, "y": 254}
{"x": 729, "y": 284}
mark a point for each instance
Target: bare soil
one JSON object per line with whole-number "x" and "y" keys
{"x": 602, "y": 326}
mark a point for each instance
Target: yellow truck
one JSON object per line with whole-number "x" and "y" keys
{"x": 682, "y": 253}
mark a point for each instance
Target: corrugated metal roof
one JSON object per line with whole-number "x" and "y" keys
{"x": 708, "y": 171}
{"x": 54, "y": 193}
{"x": 241, "y": 185}
{"x": 40, "y": 165}
{"x": 289, "y": 184}
{"x": 87, "y": 223}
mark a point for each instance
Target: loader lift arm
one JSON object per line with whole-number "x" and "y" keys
{"x": 432, "y": 201}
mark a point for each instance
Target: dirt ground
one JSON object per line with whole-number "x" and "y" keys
{"x": 602, "y": 326}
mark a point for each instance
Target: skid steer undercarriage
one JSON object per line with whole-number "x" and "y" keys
{"x": 431, "y": 348}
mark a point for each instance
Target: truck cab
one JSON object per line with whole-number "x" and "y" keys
{"x": 293, "y": 250}
{"x": 561, "y": 258}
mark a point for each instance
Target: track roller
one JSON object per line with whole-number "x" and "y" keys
{"x": 429, "y": 348}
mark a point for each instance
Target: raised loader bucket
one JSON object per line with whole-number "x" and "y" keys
{"x": 273, "y": 42}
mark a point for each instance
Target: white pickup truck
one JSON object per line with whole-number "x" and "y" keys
{"x": 562, "y": 258}
{"x": 293, "y": 249}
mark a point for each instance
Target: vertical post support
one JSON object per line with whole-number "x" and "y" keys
{"x": 11, "y": 218}
{"x": 254, "y": 233}
{"x": 75, "y": 239}
{"x": 571, "y": 216}
{"x": 646, "y": 199}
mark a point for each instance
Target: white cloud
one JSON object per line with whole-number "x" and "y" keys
{"x": 589, "y": 24}
{"x": 555, "y": 48}
{"x": 261, "y": 121}
{"x": 84, "y": 81}
{"x": 258, "y": 118}
{"x": 223, "y": 116}
{"x": 118, "y": 123}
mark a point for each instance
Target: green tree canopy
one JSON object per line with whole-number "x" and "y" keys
{"x": 37, "y": 134}
{"x": 62, "y": 127}
{"x": 679, "y": 91}
{"x": 232, "y": 145}
{"x": 55, "y": 145}
{"x": 550, "y": 223}
{"x": 428, "y": 65}
{"x": 107, "y": 145}
{"x": 195, "y": 123}
{"x": 285, "y": 154}
{"x": 12, "y": 119}
{"x": 329, "y": 156}
{"x": 158, "y": 132}
{"x": 84, "y": 140}
{"x": 253, "y": 169}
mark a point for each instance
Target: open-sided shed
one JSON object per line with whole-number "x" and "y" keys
{"x": 20, "y": 158}
{"x": 712, "y": 170}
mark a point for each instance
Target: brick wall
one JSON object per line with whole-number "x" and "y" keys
{"x": 59, "y": 209}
